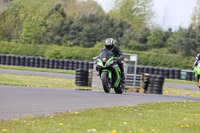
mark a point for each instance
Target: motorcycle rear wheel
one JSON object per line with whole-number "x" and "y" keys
{"x": 106, "y": 82}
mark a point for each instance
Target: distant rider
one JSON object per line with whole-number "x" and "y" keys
{"x": 196, "y": 61}
{"x": 110, "y": 46}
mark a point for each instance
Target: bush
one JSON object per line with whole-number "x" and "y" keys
{"x": 86, "y": 54}
{"x": 22, "y": 49}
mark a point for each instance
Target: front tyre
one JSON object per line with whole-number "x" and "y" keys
{"x": 119, "y": 89}
{"x": 106, "y": 82}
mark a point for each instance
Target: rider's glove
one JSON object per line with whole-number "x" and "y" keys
{"x": 118, "y": 59}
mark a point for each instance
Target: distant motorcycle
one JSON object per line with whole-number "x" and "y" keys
{"x": 197, "y": 74}
{"x": 109, "y": 72}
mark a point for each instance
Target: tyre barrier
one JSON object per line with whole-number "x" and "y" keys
{"x": 17, "y": 61}
{"x": 189, "y": 76}
{"x": 46, "y": 63}
{"x": 73, "y": 65}
{"x": 81, "y": 78}
{"x": 76, "y": 63}
{"x": 3, "y": 59}
{"x": 41, "y": 62}
{"x": 166, "y": 72}
{"x": 12, "y": 60}
{"x": 155, "y": 84}
{"x": 22, "y": 60}
{"x": 8, "y": 60}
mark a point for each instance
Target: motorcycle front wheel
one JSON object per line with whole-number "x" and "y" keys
{"x": 119, "y": 89}
{"x": 106, "y": 82}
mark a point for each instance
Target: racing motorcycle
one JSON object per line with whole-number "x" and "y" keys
{"x": 197, "y": 74}
{"x": 109, "y": 72}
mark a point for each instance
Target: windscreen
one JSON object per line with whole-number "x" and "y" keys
{"x": 105, "y": 55}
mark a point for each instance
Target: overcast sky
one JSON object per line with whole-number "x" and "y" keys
{"x": 168, "y": 13}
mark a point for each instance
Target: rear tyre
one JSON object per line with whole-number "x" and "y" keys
{"x": 106, "y": 82}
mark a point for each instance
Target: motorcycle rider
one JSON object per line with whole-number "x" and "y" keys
{"x": 110, "y": 46}
{"x": 196, "y": 61}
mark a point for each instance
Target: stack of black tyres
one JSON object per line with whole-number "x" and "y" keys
{"x": 140, "y": 69}
{"x": 56, "y": 64}
{"x": 91, "y": 65}
{"x": 171, "y": 73}
{"x": 86, "y": 65}
{"x": 37, "y": 62}
{"x": 46, "y": 63}
{"x": 166, "y": 72}
{"x": 12, "y": 60}
{"x": 161, "y": 71}
{"x": 193, "y": 77}
{"x": 177, "y": 73}
{"x": 17, "y": 61}
{"x": 151, "y": 70}
{"x": 146, "y": 69}
{"x": 27, "y": 63}
{"x": 7, "y": 61}
{"x": 32, "y": 61}
{"x": 71, "y": 65}
{"x": 189, "y": 76}
{"x": 81, "y": 64}
{"x": 3, "y": 58}
{"x": 51, "y": 63}
{"x": 66, "y": 64}
{"x": 81, "y": 78}
{"x": 155, "y": 84}
{"x": 76, "y": 64}
{"x": 156, "y": 70}
{"x": 42, "y": 62}
{"x": 22, "y": 61}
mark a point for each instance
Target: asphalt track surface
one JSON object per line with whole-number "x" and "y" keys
{"x": 22, "y": 101}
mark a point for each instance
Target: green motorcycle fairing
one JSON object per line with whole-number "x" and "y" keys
{"x": 105, "y": 64}
{"x": 197, "y": 74}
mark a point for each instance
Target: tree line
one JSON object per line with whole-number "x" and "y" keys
{"x": 75, "y": 23}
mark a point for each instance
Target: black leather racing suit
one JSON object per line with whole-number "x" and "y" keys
{"x": 117, "y": 53}
{"x": 196, "y": 61}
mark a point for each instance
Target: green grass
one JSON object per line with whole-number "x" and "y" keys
{"x": 180, "y": 81}
{"x": 38, "y": 81}
{"x": 180, "y": 92}
{"x": 171, "y": 117}
{"x": 38, "y": 69}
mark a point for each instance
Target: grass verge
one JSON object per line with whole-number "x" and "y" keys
{"x": 38, "y": 69}
{"x": 65, "y": 83}
{"x": 180, "y": 92}
{"x": 180, "y": 81}
{"x": 38, "y": 81}
{"x": 171, "y": 117}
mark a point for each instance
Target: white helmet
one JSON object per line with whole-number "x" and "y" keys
{"x": 109, "y": 43}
